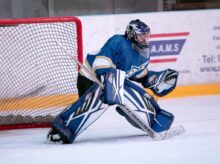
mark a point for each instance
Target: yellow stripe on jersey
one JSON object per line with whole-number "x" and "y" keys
{"x": 102, "y": 62}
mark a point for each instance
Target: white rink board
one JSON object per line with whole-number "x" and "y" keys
{"x": 199, "y": 59}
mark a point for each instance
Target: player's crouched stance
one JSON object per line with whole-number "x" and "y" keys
{"x": 117, "y": 90}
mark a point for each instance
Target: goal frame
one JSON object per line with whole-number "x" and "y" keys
{"x": 17, "y": 21}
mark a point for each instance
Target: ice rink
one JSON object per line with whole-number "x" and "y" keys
{"x": 112, "y": 140}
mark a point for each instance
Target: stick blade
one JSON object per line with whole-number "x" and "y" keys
{"x": 172, "y": 132}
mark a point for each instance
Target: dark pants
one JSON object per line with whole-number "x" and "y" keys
{"x": 83, "y": 84}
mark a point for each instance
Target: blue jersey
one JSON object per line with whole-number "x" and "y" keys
{"x": 119, "y": 52}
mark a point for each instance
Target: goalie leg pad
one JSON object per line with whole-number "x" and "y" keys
{"x": 120, "y": 111}
{"x": 76, "y": 118}
{"x": 137, "y": 99}
{"x": 140, "y": 102}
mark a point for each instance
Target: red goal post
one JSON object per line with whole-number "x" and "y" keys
{"x": 37, "y": 79}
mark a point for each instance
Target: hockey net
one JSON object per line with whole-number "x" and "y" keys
{"x": 37, "y": 79}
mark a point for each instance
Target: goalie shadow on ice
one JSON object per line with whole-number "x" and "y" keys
{"x": 109, "y": 78}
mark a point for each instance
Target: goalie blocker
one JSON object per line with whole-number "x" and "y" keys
{"x": 94, "y": 102}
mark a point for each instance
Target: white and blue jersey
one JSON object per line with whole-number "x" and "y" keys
{"x": 119, "y": 52}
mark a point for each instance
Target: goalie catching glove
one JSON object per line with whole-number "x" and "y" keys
{"x": 161, "y": 83}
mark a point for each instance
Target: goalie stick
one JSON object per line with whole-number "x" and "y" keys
{"x": 132, "y": 115}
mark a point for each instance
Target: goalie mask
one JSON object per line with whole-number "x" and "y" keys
{"x": 138, "y": 32}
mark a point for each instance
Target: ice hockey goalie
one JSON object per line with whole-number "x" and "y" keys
{"x": 122, "y": 67}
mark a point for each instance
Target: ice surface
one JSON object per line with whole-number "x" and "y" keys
{"x": 111, "y": 140}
